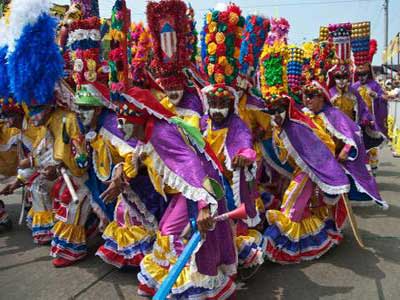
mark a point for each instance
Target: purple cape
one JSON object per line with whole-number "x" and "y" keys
{"x": 238, "y": 138}
{"x": 380, "y": 106}
{"x": 111, "y": 125}
{"x": 343, "y": 128}
{"x": 361, "y": 108}
{"x": 190, "y": 104}
{"x": 313, "y": 157}
{"x": 185, "y": 169}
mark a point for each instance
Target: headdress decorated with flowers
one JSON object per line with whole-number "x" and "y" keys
{"x": 169, "y": 27}
{"x": 314, "y": 88}
{"x": 88, "y": 74}
{"x": 320, "y": 63}
{"x": 273, "y": 62}
{"x": 140, "y": 45}
{"x": 192, "y": 36}
{"x": 220, "y": 42}
{"x": 255, "y": 33}
{"x": 118, "y": 55}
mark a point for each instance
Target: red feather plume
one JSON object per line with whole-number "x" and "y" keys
{"x": 373, "y": 47}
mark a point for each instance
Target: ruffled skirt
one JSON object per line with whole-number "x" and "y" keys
{"x": 41, "y": 223}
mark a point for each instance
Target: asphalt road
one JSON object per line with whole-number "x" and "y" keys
{"x": 346, "y": 272}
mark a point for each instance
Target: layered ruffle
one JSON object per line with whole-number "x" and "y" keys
{"x": 41, "y": 224}
{"x": 293, "y": 242}
{"x": 125, "y": 246}
{"x": 69, "y": 241}
{"x": 190, "y": 284}
{"x": 250, "y": 248}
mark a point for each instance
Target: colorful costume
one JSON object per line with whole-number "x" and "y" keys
{"x": 347, "y": 137}
{"x": 300, "y": 230}
{"x": 170, "y": 27}
{"x": 185, "y": 178}
{"x": 370, "y": 90}
{"x": 229, "y": 137}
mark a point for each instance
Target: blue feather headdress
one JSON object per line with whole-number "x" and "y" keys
{"x": 35, "y": 63}
{"x": 4, "y": 80}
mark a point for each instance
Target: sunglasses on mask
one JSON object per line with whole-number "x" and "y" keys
{"x": 275, "y": 110}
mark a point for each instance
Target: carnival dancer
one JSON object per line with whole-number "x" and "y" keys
{"x": 349, "y": 147}
{"x": 296, "y": 233}
{"x": 130, "y": 235}
{"x": 188, "y": 179}
{"x": 371, "y": 92}
{"x": 228, "y": 135}
{"x": 39, "y": 89}
{"x": 170, "y": 27}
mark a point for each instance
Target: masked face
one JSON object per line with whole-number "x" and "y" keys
{"x": 126, "y": 128}
{"x": 175, "y": 96}
{"x": 219, "y": 109}
{"x": 342, "y": 82}
{"x": 363, "y": 77}
{"x": 86, "y": 116}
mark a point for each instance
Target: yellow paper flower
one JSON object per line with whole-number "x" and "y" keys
{"x": 208, "y": 38}
{"x": 228, "y": 70}
{"x": 210, "y": 69}
{"x": 219, "y": 78}
{"x": 209, "y": 17}
{"x": 212, "y": 48}
{"x": 220, "y": 38}
{"x": 222, "y": 61}
{"x": 212, "y": 27}
{"x": 233, "y": 18}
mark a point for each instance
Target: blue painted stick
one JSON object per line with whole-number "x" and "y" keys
{"x": 173, "y": 275}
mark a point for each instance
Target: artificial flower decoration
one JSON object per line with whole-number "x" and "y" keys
{"x": 192, "y": 35}
{"x": 140, "y": 44}
{"x": 220, "y": 42}
{"x": 255, "y": 33}
{"x": 169, "y": 25}
{"x": 118, "y": 56}
{"x": 273, "y": 70}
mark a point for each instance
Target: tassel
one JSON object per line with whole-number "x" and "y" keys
{"x": 65, "y": 136}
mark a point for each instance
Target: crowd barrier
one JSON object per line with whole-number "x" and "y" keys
{"x": 394, "y": 127}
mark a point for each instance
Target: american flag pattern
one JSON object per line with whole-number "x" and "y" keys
{"x": 168, "y": 42}
{"x": 343, "y": 47}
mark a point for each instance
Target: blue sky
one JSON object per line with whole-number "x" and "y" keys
{"x": 305, "y": 16}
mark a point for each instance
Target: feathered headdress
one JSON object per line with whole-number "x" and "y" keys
{"x": 169, "y": 27}
{"x": 4, "y": 80}
{"x": 255, "y": 33}
{"x": 35, "y": 64}
{"x": 140, "y": 44}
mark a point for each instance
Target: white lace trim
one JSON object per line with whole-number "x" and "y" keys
{"x": 149, "y": 218}
{"x": 381, "y": 203}
{"x": 339, "y": 135}
{"x": 333, "y": 190}
{"x": 123, "y": 147}
{"x": 174, "y": 181}
{"x": 83, "y": 34}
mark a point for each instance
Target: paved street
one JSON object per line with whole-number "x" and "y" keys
{"x": 346, "y": 272}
